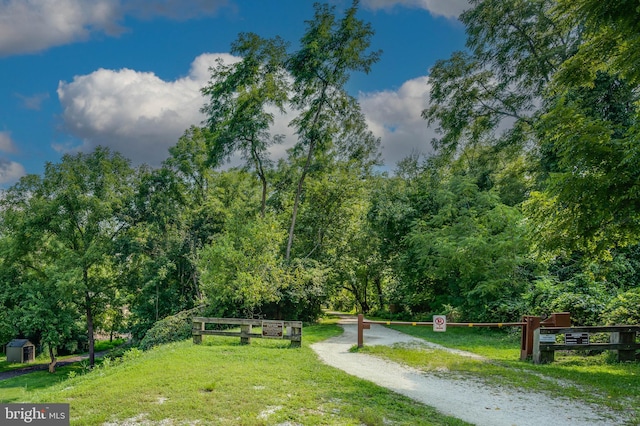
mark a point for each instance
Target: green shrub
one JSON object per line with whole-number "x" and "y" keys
{"x": 170, "y": 329}
{"x": 581, "y": 296}
{"x": 117, "y": 352}
{"x": 105, "y": 345}
{"x": 624, "y": 309}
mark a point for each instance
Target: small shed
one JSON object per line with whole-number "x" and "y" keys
{"x": 21, "y": 350}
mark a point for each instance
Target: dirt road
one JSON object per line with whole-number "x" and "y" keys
{"x": 471, "y": 401}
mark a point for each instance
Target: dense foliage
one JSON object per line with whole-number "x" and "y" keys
{"x": 529, "y": 205}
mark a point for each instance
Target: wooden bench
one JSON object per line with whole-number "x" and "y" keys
{"x": 288, "y": 330}
{"x": 622, "y": 340}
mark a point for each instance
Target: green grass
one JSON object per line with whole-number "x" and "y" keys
{"x": 589, "y": 378}
{"x": 223, "y": 383}
{"x": 106, "y": 345}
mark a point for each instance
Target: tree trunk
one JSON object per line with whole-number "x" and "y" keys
{"x": 89, "y": 313}
{"x": 54, "y": 361}
{"x": 378, "y": 281}
{"x": 263, "y": 205}
{"x": 263, "y": 179}
{"x": 305, "y": 170}
{"x": 365, "y": 303}
{"x": 296, "y": 203}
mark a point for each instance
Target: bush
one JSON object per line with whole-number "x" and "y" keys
{"x": 117, "y": 352}
{"x": 170, "y": 329}
{"x": 584, "y": 298}
{"x": 624, "y": 309}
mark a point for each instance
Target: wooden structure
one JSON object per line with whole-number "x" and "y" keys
{"x": 622, "y": 340}
{"x": 287, "y": 330}
{"x": 21, "y": 351}
{"x": 533, "y": 323}
{"x": 529, "y": 325}
{"x": 366, "y": 324}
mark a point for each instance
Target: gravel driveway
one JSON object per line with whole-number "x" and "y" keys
{"x": 471, "y": 401}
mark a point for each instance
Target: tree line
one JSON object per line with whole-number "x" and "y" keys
{"x": 529, "y": 204}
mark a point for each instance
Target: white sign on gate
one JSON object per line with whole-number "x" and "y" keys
{"x": 439, "y": 323}
{"x": 547, "y": 338}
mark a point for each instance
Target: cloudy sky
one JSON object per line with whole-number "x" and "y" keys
{"x": 127, "y": 73}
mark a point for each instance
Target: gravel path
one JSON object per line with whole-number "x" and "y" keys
{"x": 4, "y": 375}
{"x": 471, "y": 401}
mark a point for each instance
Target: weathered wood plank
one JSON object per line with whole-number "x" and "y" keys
{"x": 293, "y": 337}
{"x": 595, "y": 329}
{"x": 245, "y": 334}
{"x": 595, "y": 346}
{"x": 622, "y": 341}
{"x": 242, "y": 321}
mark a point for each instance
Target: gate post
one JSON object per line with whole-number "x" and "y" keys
{"x": 197, "y": 326}
{"x": 245, "y": 330}
{"x": 532, "y": 323}
{"x": 361, "y": 327}
{"x": 627, "y": 338}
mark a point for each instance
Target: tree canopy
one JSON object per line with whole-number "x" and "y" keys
{"x": 530, "y": 203}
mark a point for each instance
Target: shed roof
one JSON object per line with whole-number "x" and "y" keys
{"x": 19, "y": 343}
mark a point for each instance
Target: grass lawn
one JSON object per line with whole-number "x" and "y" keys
{"x": 222, "y": 383}
{"x": 594, "y": 378}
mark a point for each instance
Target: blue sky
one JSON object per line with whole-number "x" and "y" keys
{"x": 126, "y": 73}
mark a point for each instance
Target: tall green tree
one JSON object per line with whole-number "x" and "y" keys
{"x": 491, "y": 91}
{"x": 75, "y": 213}
{"x": 589, "y": 155}
{"x": 468, "y": 253}
{"x": 181, "y": 207}
{"x": 242, "y": 269}
{"x": 36, "y": 296}
{"x": 243, "y": 98}
{"x": 589, "y": 132}
{"x": 609, "y": 40}
{"x": 331, "y": 49}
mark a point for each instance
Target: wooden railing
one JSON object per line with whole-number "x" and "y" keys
{"x": 622, "y": 340}
{"x": 270, "y": 329}
{"x": 528, "y": 324}
{"x": 538, "y": 336}
{"x": 364, "y": 324}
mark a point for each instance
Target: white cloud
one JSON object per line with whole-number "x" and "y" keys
{"x": 134, "y": 113}
{"x": 34, "y": 25}
{"x": 10, "y": 171}
{"x": 33, "y": 102}
{"x": 446, "y": 8}
{"x": 395, "y": 117}
{"x": 6, "y": 143}
{"x": 28, "y": 26}
{"x": 141, "y": 116}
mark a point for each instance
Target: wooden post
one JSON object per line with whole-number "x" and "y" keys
{"x": 361, "y": 327}
{"x": 623, "y": 337}
{"x": 296, "y": 331}
{"x": 197, "y": 338}
{"x": 526, "y": 346}
{"x": 245, "y": 329}
{"x": 541, "y": 356}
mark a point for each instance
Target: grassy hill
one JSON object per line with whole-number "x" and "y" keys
{"x": 221, "y": 383}
{"x": 267, "y": 383}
